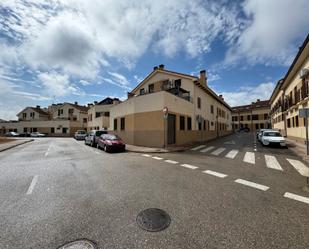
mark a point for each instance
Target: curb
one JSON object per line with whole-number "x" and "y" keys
{"x": 15, "y": 145}
{"x": 157, "y": 152}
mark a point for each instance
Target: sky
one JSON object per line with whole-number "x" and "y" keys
{"x": 78, "y": 50}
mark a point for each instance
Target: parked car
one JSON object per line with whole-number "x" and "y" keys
{"x": 272, "y": 138}
{"x": 110, "y": 142}
{"x": 245, "y": 129}
{"x": 12, "y": 134}
{"x": 80, "y": 135}
{"x": 24, "y": 134}
{"x": 260, "y": 132}
{"x": 93, "y": 136}
{"x": 37, "y": 134}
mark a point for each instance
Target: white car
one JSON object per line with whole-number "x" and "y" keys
{"x": 37, "y": 134}
{"x": 260, "y": 133}
{"x": 80, "y": 135}
{"x": 272, "y": 138}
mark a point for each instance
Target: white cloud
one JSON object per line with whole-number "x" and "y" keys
{"x": 270, "y": 36}
{"x": 246, "y": 95}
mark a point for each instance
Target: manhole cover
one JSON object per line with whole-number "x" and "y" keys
{"x": 153, "y": 219}
{"x": 79, "y": 244}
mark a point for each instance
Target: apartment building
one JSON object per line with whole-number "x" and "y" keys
{"x": 57, "y": 120}
{"x": 170, "y": 108}
{"x": 99, "y": 113}
{"x": 254, "y": 116}
{"x": 290, "y": 95}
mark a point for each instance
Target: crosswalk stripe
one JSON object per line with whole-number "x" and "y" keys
{"x": 146, "y": 155}
{"x": 157, "y": 158}
{"x": 252, "y": 184}
{"x": 207, "y": 149}
{"x": 214, "y": 173}
{"x": 217, "y": 152}
{"x": 171, "y": 161}
{"x": 296, "y": 197}
{"x": 231, "y": 154}
{"x": 299, "y": 166}
{"x": 271, "y": 162}
{"x": 249, "y": 157}
{"x": 189, "y": 166}
{"x": 199, "y": 147}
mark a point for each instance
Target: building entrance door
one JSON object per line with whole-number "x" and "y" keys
{"x": 171, "y": 129}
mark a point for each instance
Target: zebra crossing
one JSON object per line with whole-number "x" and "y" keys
{"x": 250, "y": 158}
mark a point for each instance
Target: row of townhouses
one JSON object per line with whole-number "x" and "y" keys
{"x": 166, "y": 108}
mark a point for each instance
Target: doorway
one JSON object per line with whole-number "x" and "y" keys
{"x": 171, "y": 129}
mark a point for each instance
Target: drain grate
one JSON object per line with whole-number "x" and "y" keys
{"x": 153, "y": 220}
{"x": 79, "y": 244}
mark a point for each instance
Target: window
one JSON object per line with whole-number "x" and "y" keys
{"x": 115, "y": 124}
{"x": 248, "y": 117}
{"x": 262, "y": 126}
{"x": 151, "y": 88}
{"x": 289, "y": 122}
{"x": 64, "y": 130}
{"x": 32, "y": 114}
{"x": 34, "y": 129}
{"x": 106, "y": 114}
{"x": 60, "y": 111}
{"x": 212, "y": 109}
{"x": 71, "y": 111}
{"x": 236, "y": 118}
{"x": 204, "y": 125}
{"x": 25, "y": 129}
{"x": 85, "y": 120}
{"x": 296, "y": 121}
{"x": 98, "y": 114}
{"x": 142, "y": 91}
{"x": 90, "y": 117}
{"x": 182, "y": 123}
{"x": 241, "y": 118}
{"x": 293, "y": 121}
{"x": 52, "y": 130}
{"x": 199, "y": 126}
{"x": 122, "y": 123}
{"x": 189, "y": 124}
{"x": 198, "y": 102}
{"x": 265, "y": 116}
{"x": 24, "y": 115}
{"x": 74, "y": 118}
{"x": 255, "y": 117}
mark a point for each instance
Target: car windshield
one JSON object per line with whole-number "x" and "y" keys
{"x": 81, "y": 132}
{"x": 99, "y": 133}
{"x": 111, "y": 137}
{"x": 271, "y": 134}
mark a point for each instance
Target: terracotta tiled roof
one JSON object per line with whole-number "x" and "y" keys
{"x": 255, "y": 105}
{"x": 40, "y": 111}
{"x": 79, "y": 107}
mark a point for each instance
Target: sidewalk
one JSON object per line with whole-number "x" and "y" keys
{"x": 298, "y": 148}
{"x": 140, "y": 149}
{"x": 13, "y": 143}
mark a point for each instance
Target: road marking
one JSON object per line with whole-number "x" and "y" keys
{"x": 249, "y": 157}
{"x": 32, "y": 185}
{"x": 217, "y": 152}
{"x": 171, "y": 161}
{"x": 198, "y": 147}
{"x": 214, "y": 173}
{"x": 231, "y": 154}
{"x": 146, "y": 155}
{"x": 207, "y": 149}
{"x": 230, "y": 142}
{"x": 97, "y": 152}
{"x": 252, "y": 184}
{"x": 47, "y": 151}
{"x": 300, "y": 167}
{"x": 296, "y": 197}
{"x": 157, "y": 158}
{"x": 271, "y": 162}
{"x": 189, "y": 166}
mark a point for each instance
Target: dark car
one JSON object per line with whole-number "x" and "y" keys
{"x": 24, "y": 134}
{"x": 93, "y": 136}
{"x": 245, "y": 129}
{"x": 110, "y": 142}
{"x": 12, "y": 134}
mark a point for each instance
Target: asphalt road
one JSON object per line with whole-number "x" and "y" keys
{"x": 56, "y": 190}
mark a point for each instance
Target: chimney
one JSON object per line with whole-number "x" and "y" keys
{"x": 221, "y": 97}
{"x": 203, "y": 78}
{"x": 38, "y": 107}
{"x": 155, "y": 68}
{"x": 161, "y": 66}
{"x": 130, "y": 95}
{"x": 75, "y": 103}
{"x": 95, "y": 102}
{"x": 89, "y": 104}
{"x": 258, "y": 100}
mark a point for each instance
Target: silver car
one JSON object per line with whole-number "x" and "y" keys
{"x": 80, "y": 135}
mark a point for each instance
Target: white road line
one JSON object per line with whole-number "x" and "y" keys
{"x": 231, "y": 154}
{"x": 146, "y": 155}
{"x": 271, "y": 162}
{"x": 198, "y": 147}
{"x": 97, "y": 152}
{"x": 171, "y": 161}
{"x": 207, "y": 149}
{"x": 189, "y": 166}
{"x": 296, "y": 197}
{"x": 300, "y": 167}
{"x": 157, "y": 158}
{"x": 46, "y": 153}
{"x": 32, "y": 185}
{"x": 249, "y": 157}
{"x": 214, "y": 173}
{"x": 217, "y": 152}
{"x": 252, "y": 184}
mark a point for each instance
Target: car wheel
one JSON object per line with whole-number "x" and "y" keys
{"x": 98, "y": 146}
{"x": 105, "y": 148}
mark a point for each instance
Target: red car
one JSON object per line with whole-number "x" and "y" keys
{"x": 110, "y": 142}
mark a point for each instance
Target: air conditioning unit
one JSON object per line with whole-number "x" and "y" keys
{"x": 303, "y": 73}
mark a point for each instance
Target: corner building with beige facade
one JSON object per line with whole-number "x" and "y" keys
{"x": 254, "y": 116}
{"x": 292, "y": 94}
{"x": 193, "y": 112}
